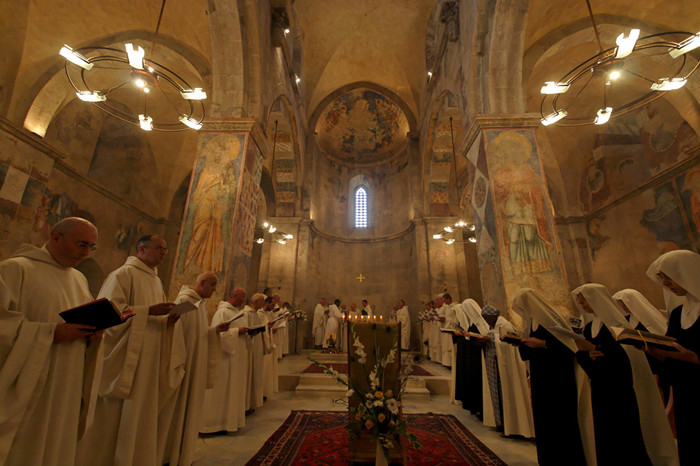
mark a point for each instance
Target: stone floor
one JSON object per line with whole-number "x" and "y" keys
{"x": 237, "y": 448}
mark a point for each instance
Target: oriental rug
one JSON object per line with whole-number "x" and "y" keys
{"x": 319, "y": 438}
{"x": 343, "y": 369}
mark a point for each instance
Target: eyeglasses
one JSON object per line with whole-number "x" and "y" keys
{"x": 159, "y": 248}
{"x": 84, "y": 245}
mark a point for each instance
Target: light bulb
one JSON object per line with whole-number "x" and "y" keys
{"x": 75, "y": 57}
{"x": 551, "y": 87}
{"x": 145, "y": 122}
{"x": 603, "y": 115}
{"x": 554, "y": 117}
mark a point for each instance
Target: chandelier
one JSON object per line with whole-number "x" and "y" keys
{"x": 133, "y": 88}
{"x": 449, "y": 234}
{"x": 619, "y": 79}
{"x": 276, "y": 235}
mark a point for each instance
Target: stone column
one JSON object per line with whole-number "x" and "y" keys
{"x": 516, "y": 238}
{"x": 219, "y": 222}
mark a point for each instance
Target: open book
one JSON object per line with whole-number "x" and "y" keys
{"x": 252, "y": 331}
{"x": 238, "y": 315}
{"x": 280, "y": 317}
{"x": 509, "y": 337}
{"x": 183, "y": 308}
{"x": 466, "y": 334}
{"x": 628, "y": 336}
{"x": 100, "y": 314}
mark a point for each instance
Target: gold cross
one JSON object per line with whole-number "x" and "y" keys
{"x": 360, "y": 277}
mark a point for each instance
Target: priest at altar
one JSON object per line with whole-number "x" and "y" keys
{"x": 319, "y": 323}
{"x": 404, "y": 318}
{"x": 47, "y": 367}
{"x": 333, "y": 324}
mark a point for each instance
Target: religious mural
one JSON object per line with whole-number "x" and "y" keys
{"x": 525, "y": 231}
{"x": 362, "y": 126}
{"x": 208, "y": 218}
{"x": 633, "y": 150}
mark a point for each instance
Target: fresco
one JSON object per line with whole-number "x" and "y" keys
{"x": 362, "y": 126}
{"x": 635, "y": 149}
{"x": 208, "y": 218}
{"x": 525, "y": 230}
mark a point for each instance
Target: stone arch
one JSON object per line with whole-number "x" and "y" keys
{"x": 505, "y": 46}
{"x": 283, "y": 136}
{"x": 228, "y": 75}
{"x": 441, "y": 167}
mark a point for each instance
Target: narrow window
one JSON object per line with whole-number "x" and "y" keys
{"x": 361, "y": 207}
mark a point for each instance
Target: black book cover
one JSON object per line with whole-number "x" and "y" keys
{"x": 100, "y": 314}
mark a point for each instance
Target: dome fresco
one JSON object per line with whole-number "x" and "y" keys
{"x": 362, "y": 126}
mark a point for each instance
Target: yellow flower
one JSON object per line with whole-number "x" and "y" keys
{"x": 381, "y": 417}
{"x": 379, "y": 395}
{"x": 389, "y": 393}
{"x": 369, "y": 424}
{"x": 358, "y": 416}
{"x": 398, "y": 403}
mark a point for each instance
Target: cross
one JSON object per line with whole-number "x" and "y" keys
{"x": 360, "y": 277}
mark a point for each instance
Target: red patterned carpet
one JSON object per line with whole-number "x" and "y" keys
{"x": 343, "y": 369}
{"x": 319, "y": 438}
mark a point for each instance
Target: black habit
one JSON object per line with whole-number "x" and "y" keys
{"x": 684, "y": 378}
{"x": 618, "y": 432}
{"x": 554, "y": 401}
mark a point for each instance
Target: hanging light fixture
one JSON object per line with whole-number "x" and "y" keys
{"x": 275, "y": 234}
{"x": 136, "y": 89}
{"x": 619, "y": 78}
{"x": 452, "y": 234}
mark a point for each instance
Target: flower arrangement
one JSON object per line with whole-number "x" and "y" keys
{"x": 378, "y": 411}
{"x": 297, "y": 314}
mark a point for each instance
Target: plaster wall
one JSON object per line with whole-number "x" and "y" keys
{"x": 37, "y": 189}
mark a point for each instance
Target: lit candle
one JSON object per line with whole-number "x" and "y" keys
{"x": 381, "y": 318}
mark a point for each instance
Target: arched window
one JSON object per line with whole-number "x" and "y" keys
{"x": 361, "y": 207}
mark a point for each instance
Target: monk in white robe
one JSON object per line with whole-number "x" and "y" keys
{"x": 143, "y": 367}
{"x": 435, "y": 335}
{"x": 47, "y": 367}
{"x": 202, "y": 345}
{"x": 225, "y": 402}
{"x": 404, "y": 318}
{"x": 333, "y": 324}
{"x": 319, "y": 324}
{"x": 367, "y": 309}
{"x": 450, "y": 322}
{"x": 254, "y": 381}
{"x": 286, "y": 308}
{"x": 266, "y": 315}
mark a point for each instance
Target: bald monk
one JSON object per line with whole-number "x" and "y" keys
{"x": 47, "y": 367}
{"x": 203, "y": 352}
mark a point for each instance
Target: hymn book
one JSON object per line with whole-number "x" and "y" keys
{"x": 282, "y": 316}
{"x": 183, "y": 307}
{"x": 236, "y": 317}
{"x": 252, "y": 331}
{"x": 509, "y": 337}
{"x": 640, "y": 339}
{"x": 100, "y": 314}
